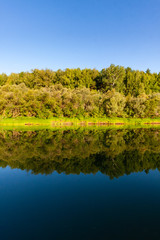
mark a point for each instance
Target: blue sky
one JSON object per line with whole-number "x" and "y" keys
{"x": 79, "y": 33}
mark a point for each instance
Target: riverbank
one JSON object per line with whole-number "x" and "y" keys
{"x": 54, "y": 122}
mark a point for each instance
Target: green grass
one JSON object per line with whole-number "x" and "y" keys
{"x": 55, "y": 122}
{"x": 22, "y": 121}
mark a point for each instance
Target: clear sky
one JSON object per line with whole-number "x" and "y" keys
{"x": 79, "y": 33}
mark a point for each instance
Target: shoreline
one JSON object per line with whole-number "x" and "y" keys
{"x": 59, "y": 122}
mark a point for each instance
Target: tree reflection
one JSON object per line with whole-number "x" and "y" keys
{"x": 112, "y": 152}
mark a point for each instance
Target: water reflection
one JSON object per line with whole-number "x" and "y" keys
{"x": 112, "y": 152}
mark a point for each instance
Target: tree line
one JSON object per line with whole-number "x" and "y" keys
{"x": 112, "y": 92}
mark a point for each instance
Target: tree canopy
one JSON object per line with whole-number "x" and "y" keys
{"x": 112, "y": 92}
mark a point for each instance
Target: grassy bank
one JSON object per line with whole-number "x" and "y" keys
{"x": 77, "y": 122}
{"x": 105, "y": 121}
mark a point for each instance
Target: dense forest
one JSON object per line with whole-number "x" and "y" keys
{"x": 112, "y": 92}
{"x": 112, "y": 152}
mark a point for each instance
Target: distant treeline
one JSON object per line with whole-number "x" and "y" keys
{"x": 112, "y": 92}
{"x": 112, "y": 152}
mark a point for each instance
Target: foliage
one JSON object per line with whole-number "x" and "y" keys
{"x": 111, "y": 92}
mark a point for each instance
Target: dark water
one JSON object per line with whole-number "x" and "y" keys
{"x": 80, "y": 184}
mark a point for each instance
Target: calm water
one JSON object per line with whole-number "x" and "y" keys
{"x": 80, "y": 184}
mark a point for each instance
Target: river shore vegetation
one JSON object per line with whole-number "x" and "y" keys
{"x": 114, "y": 92}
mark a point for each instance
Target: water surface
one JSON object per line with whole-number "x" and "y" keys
{"x": 80, "y": 184}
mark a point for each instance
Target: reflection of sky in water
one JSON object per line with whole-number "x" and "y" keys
{"x": 60, "y": 206}
{"x": 80, "y": 206}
